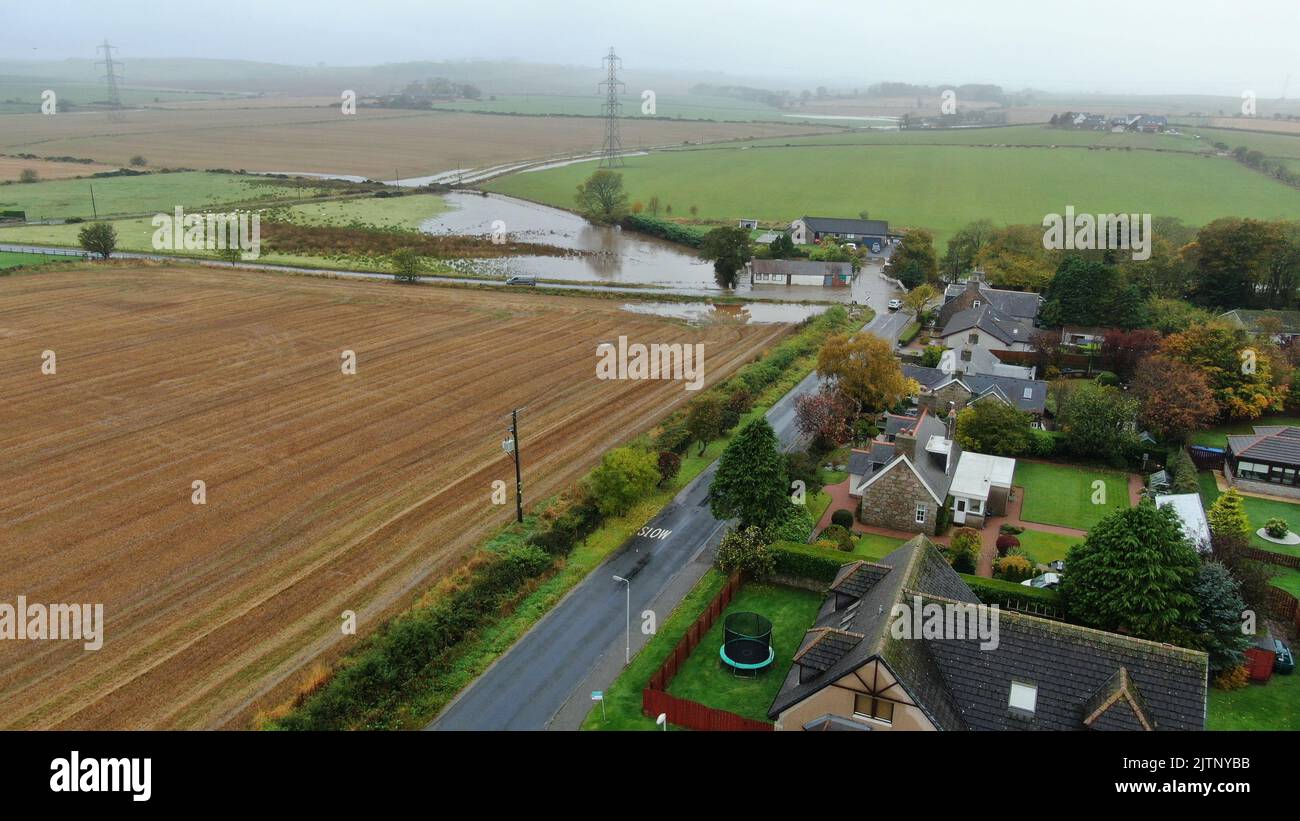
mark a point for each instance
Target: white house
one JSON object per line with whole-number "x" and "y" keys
{"x": 1189, "y": 508}
{"x": 980, "y": 487}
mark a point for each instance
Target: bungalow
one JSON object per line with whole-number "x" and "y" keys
{"x": 800, "y": 272}
{"x": 981, "y": 487}
{"x": 862, "y": 666}
{"x": 941, "y": 390}
{"x": 1266, "y": 461}
{"x": 1282, "y": 326}
{"x": 1196, "y": 528}
{"x": 973, "y": 293}
{"x": 870, "y": 234}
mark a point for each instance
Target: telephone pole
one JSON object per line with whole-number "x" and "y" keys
{"x": 611, "y": 155}
{"x": 511, "y": 446}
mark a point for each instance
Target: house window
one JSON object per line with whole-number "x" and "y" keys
{"x": 1034, "y": 423}
{"x": 1252, "y": 470}
{"x": 1024, "y": 697}
{"x": 965, "y": 355}
{"x": 975, "y": 304}
{"x": 921, "y": 510}
{"x": 973, "y": 338}
{"x": 872, "y": 707}
{"x": 977, "y": 507}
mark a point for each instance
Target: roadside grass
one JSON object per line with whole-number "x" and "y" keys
{"x": 703, "y": 677}
{"x": 1217, "y": 437}
{"x": 1062, "y": 495}
{"x": 623, "y": 697}
{"x": 12, "y": 259}
{"x": 937, "y": 187}
{"x": 60, "y": 199}
{"x": 1271, "y": 706}
{"x": 1258, "y": 511}
{"x": 1043, "y": 547}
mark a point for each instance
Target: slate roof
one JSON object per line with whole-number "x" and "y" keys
{"x": 836, "y": 225}
{"x": 801, "y": 266}
{"x": 894, "y": 423}
{"x": 1009, "y": 387}
{"x": 859, "y": 462}
{"x": 1023, "y": 305}
{"x": 1002, "y": 326}
{"x": 1288, "y": 321}
{"x": 1085, "y": 678}
{"x": 1270, "y": 443}
{"x": 858, "y": 578}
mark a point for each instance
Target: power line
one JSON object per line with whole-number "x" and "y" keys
{"x": 611, "y": 156}
{"x": 111, "y": 77}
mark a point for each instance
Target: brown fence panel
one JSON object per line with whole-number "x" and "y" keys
{"x": 1270, "y": 557}
{"x": 1282, "y": 605}
{"x": 695, "y": 716}
{"x": 1206, "y": 459}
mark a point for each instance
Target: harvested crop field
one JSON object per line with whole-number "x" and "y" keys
{"x": 11, "y": 168}
{"x": 325, "y": 492}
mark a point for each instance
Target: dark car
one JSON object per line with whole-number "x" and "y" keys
{"x": 1285, "y": 662}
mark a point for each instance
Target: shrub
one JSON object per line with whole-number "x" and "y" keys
{"x": 801, "y": 561}
{"x": 1004, "y": 594}
{"x": 1006, "y": 542}
{"x": 803, "y": 467}
{"x": 1277, "y": 528}
{"x": 839, "y": 536}
{"x": 795, "y": 526}
{"x": 1234, "y": 678}
{"x": 624, "y": 477}
{"x": 843, "y": 517}
{"x": 1014, "y": 568}
{"x": 1182, "y": 472}
{"x": 1041, "y": 443}
{"x": 1014, "y": 530}
{"x": 740, "y": 400}
{"x": 963, "y": 561}
{"x": 745, "y": 551}
{"x": 674, "y": 438}
{"x": 669, "y": 464}
{"x": 1107, "y": 378}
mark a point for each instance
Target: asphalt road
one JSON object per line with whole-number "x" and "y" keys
{"x": 580, "y": 645}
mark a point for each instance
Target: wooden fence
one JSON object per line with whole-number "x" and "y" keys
{"x": 1284, "y": 606}
{"x": 683, "y": 712}
{"x": 1206, "y": 458}
{"x": 1268, "y": 556}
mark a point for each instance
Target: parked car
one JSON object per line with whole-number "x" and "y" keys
{"x": 895, "y": 304}
{"x": 1284, "y": 663}
{"x": 1047, "y": 581}
{"x": 523, "y": 279}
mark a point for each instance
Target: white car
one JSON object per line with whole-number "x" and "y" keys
{"x": 895, "y": 304}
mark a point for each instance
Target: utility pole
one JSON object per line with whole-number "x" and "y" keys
{"x": 511, "y": 446}
{"x": 627, "y": 641}
{"x": 612, "y": 152}
{"x": 93, "y": 209}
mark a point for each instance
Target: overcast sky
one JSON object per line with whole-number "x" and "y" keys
{"x": 1128, "y": 46}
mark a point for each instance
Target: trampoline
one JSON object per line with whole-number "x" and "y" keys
{"x": 747, "y": 644}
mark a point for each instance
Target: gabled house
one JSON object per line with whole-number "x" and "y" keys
{"x": 853, "y": 672}
{"x": 1266, "y": 461}
{"x": 872, "y": 235}
{"x": 1282, "y": 326}
{"x": 973, "y": 293}
{"x": 800, "y": 272}
{"x": 941, "y": 390}
{"x": 907, "y": 492}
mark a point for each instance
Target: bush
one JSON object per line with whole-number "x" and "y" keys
{"x": 745, "y": 551}
{"x": 803, "y": 467}
{"x": 577, "y": 521}
{"x": 669, "y": 465}
{"x": 843, "y": 517}
{"x": 801, "y": 561}
{"x": 962, "y": 561}
{"x": 1014, "y": 568}
{"x": 1012, "y": 529}
{"x": 1234, "y": 678}
{"x": 1277, "y": 528}
{"x": 674, "y": 438}
{"x": 740, "y": 400}
{"x": 1108, "y": 379}
{"x": 1182, "y": 472}
{"x": 625, "y": 476}
{"x": 838, "y": 535}
{"x": 795, "y": 526}
{"x": 1006, "y": 542}
{"x": 1041, "y": 443}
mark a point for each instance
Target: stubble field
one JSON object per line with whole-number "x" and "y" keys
{"x": 325, "y": 492}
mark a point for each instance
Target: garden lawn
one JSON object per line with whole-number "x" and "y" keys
{"x": 1258, "y": 511}
{"x": 704, "y": 678}
{"x": 1218, "y": 437}
{"x": 1271, "y": 706}
{"x": 1062, "y": 495}
{"x": 1043, "y": 547}
{"x": 875, "y": 546}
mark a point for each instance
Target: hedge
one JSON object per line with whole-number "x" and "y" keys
{"x": 909, "y": 333}
{"x": 670, "y": 231}
{"x": 801, "y": 561}
{"x": 999, "y": 592}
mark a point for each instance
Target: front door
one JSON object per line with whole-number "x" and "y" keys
{"x": 959, "y": 512}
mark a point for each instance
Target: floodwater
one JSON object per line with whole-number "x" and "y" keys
{"x": 611, "y": 255}
{"x": 750, "y": 313}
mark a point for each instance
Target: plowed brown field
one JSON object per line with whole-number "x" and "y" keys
{"x": 325, "y": 492}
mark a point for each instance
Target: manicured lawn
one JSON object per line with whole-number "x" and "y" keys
{"x": 1271, "y": 706}
{"x": 1045, "y": 547}
{"x": 936, "y": 187}
{"x": 1258, "y": 511}
{"x": 1218, "y": 437}
{"x": 1287, "y": 578}
{"x": 704, "y": 678}
{"x": 1063, "y": 495}
{"x": 817, "y": 504}
{"x": 874, "y": 546}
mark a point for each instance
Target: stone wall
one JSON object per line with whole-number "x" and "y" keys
{"x": 891, "y": 502}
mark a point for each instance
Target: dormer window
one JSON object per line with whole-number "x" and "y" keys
{"x": 1023, "y": 699}
{"x": 976, "y": 304}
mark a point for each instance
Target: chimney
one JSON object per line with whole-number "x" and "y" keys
{"x": 905, "y": 441}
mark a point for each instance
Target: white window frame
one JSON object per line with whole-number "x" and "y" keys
{"x": 1023, "y": 696}
{"x": 975, "y": 304}
{"x": 922, "y": 512}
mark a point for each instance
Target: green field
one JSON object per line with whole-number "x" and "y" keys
{"x": 1258, "y": 511}
{"x": 23, "y": 94}
{"x": 1271, "y": 706}
{"x": 60, "y": 199}
{"x": 1043, "y": 547}
{"x": 1062, "y": 495}
{"x": 937, "y": 187}
{"x": 669, "y": 106}
{"x": 9, "y": 259}
{"x": 1011, "y": 135}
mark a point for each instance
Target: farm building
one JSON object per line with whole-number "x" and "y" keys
{"x": 870, "y": 234}
{"x": 800, "y": 272}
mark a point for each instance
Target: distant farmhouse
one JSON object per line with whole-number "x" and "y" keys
{"x": 1144, "y": 123}
{"x": 800, "y": 272}
{"x": 853, "y": 671}
{"x": 870, "y": 234}
{"x": 1282, "y": 326}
